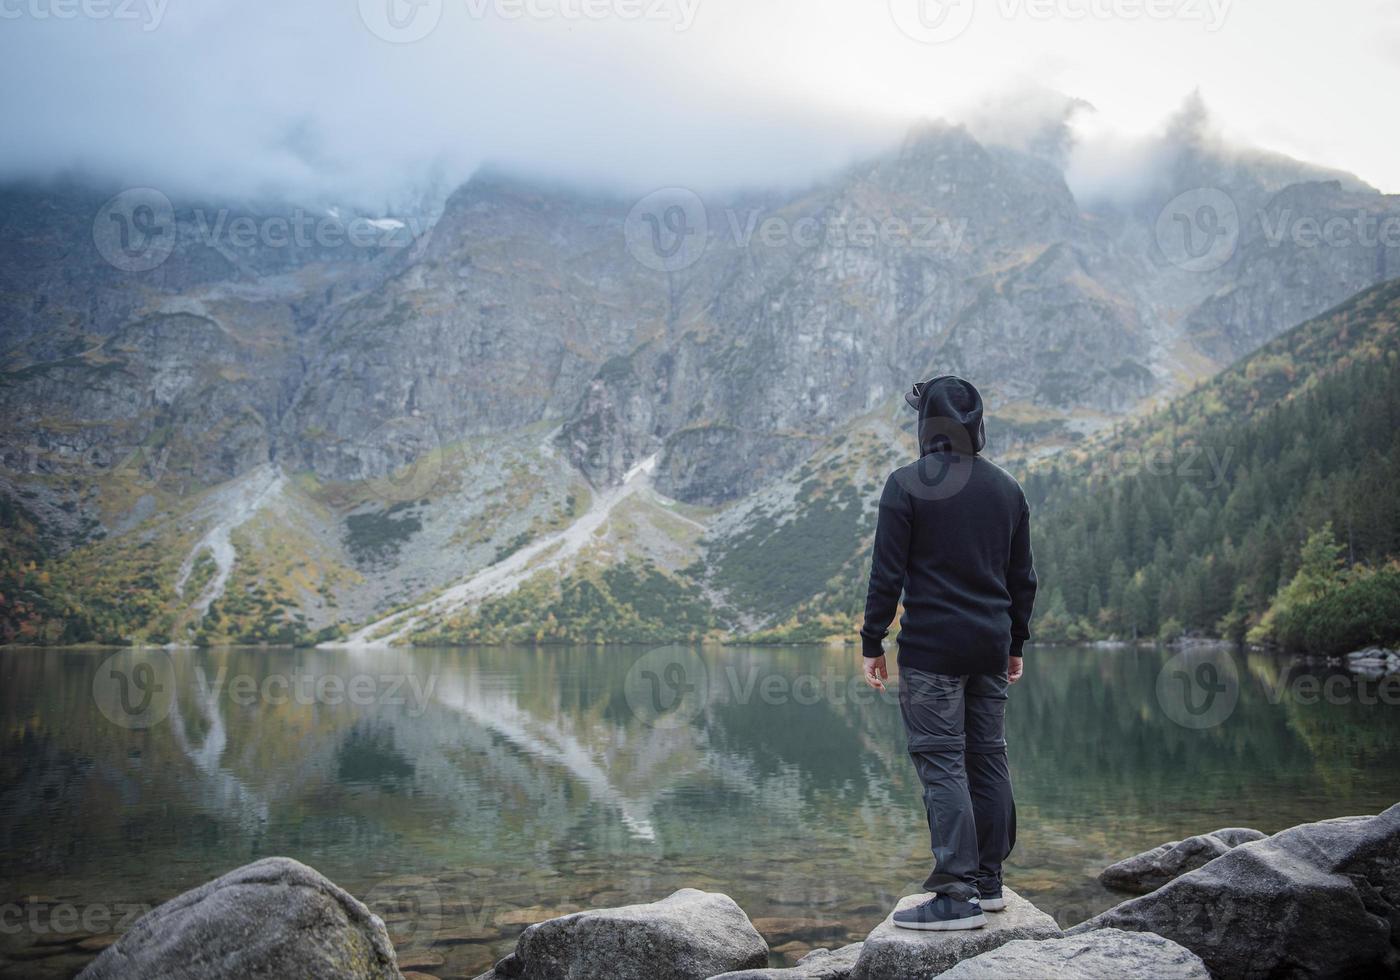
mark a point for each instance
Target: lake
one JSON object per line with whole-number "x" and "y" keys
{"x": 465, "y": 793}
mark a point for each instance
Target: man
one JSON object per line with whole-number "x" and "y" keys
{"x": 954, "y": 536}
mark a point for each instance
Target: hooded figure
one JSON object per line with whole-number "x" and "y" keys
{"x": 950, "y": 415}
{"x": 953, "y": 538}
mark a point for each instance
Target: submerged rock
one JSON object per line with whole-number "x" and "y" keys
{"x": 819, "y": 964}
{"x": 892, "y": 953}
{"x": 1152, "y": 869}
{"x": 689, "y": 935}
{"x": 272, "y": 918}
{"x": 1316, "y": 900}
{"x": 1104, "y": 954}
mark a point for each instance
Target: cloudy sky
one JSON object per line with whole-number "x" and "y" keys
{"x": 366, "y": 97}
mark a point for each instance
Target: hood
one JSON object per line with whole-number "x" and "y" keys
{"x": 950, "y": 415}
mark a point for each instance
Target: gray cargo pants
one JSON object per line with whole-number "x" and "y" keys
{"x": 956, "y": 726}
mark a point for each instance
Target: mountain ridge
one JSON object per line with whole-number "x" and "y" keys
{"x": 521, "y": 344}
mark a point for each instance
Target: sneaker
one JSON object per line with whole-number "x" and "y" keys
{"x": 992, "y": 901}
{"x": 942, "y": 913}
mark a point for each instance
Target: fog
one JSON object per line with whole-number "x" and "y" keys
{"x": 373, "y": 101}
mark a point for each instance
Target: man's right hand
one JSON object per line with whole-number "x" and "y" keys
{"x": 1013, "y": 670}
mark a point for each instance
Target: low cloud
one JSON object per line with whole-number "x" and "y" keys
{"x": 377, "y": 103}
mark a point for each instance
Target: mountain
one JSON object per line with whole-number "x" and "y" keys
{"x": 555, "y": 414}
{"x": 1194, "y": 517}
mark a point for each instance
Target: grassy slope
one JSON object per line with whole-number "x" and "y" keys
{"x": 1192, "y": 517}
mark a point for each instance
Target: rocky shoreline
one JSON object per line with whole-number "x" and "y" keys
{"x": 1316, "y": 900}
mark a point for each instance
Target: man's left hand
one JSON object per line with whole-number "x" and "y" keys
{"x": 875, "y": 672}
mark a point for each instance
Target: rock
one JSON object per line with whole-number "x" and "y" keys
{"x": 61, "y": 939}
{"x": 420, "y": 961}
{"x": 1152, "y": 869}
{"x": 466, "y": 935}
{"x": 1109, "y": 954}
{"x": 819, "y": 964}
{"x": 1314, "y": 900}
{"x": 61, "y": 967}
{"x": 275, "y": 917}
{"x": 37, "y": 952}
{"x": 524, "y": 917}
{"x": 1373, "y": 662}
{"x": 1378, "y": 655}
{"x": 93, "y": 944}
{"x": 792, "y": 950}
{"x": 786, "y": 926}
{"x": 688, "y": 935}
{"x": 891, "y": 953}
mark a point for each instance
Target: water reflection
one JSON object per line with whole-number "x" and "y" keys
{"x": 511, "y": 784}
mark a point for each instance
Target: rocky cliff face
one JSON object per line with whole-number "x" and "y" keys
{"x": 728, "y": 338}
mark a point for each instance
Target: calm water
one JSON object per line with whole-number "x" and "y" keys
{"x": 465, "y": 793}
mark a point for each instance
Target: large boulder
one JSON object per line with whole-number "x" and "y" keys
{"x": 1320, "y": 899}
{"x": 892, "y": 953}
{"x": 1104, "y": 954}
{"x": 1152, "y": 869}
{"x": 819, "y": 964}
{"x": 272, "y": 918}
{"x": 689, "y": 935}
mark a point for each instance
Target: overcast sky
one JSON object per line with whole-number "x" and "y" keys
{"x": 364, "y": 97}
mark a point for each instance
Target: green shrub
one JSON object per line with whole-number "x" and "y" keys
{"x": 1365, "y": 611}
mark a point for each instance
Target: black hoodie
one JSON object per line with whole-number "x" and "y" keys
{"x": 954, "y": 536}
